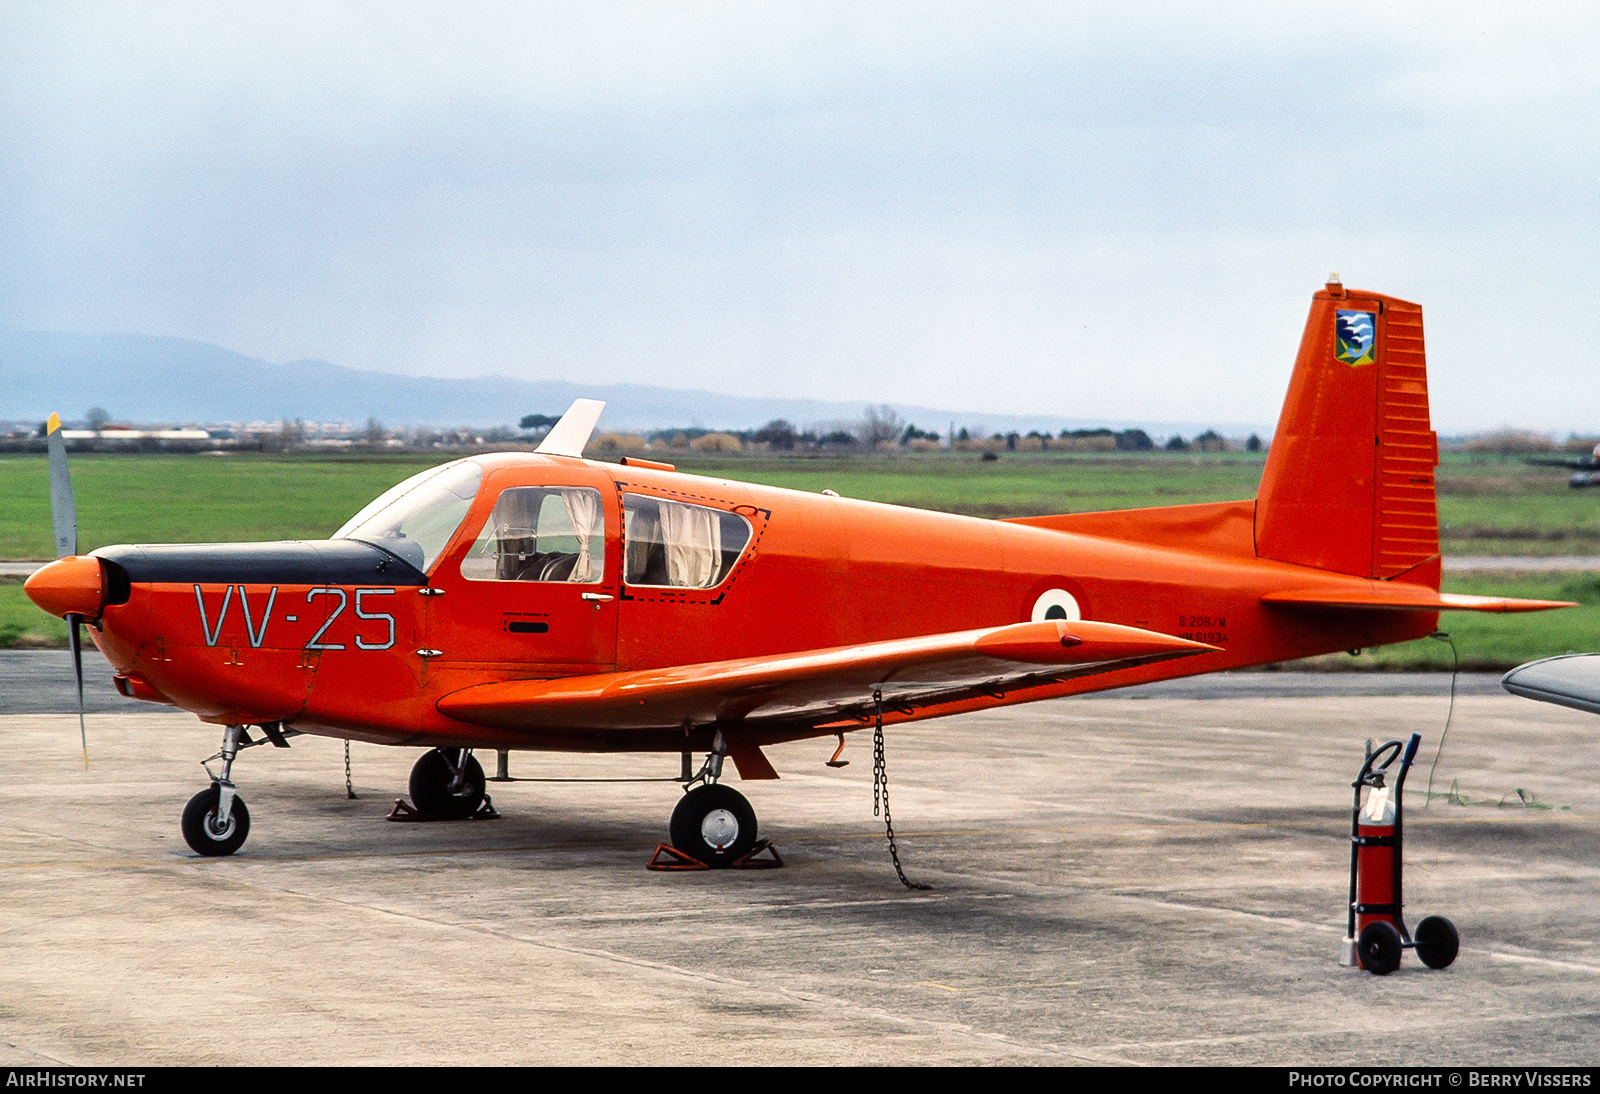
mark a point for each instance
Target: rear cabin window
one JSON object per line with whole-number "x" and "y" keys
{"x": 541, "y": 533}
{"x": 676, "y": 544}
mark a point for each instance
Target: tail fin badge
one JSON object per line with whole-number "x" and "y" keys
{"x": 1357, "y": 335}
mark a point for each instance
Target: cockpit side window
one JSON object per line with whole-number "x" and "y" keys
{"x": 673, "y": 543}
{"x": 541, "y": 533}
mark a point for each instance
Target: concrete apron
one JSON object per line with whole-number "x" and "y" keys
{"x": 1119, "y": 881}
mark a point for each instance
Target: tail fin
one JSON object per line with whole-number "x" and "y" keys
{"x": 1348, "y": 484}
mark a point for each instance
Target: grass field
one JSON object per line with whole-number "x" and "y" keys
{"x": 189, "y": 499}
{"x": 1487, "y": 506}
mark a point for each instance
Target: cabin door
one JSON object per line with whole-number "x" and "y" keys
{"x": 537, "y": 591}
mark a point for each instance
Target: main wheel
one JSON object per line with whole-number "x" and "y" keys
{"x": 201, "y": 830}
{"x": 431, "y": 777}
{"x": 1380, "y": 947}
{"x": 715, "y": 824}
{"x": 1437, "y": 941}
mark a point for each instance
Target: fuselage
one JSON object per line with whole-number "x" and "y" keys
{"x": 361, "y": 639}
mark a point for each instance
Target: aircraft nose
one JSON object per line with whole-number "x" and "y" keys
{"x": 73, "y": 584}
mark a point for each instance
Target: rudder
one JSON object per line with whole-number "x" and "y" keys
{"x": 1349, "y": 481}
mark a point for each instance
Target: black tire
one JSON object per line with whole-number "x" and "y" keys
{"x": 199, "y": 824}
{"x": 430, "y": 787}
{"x": 1437, "y": 942}
{"x": 714, "y": 824}
{"x": 1380, "y": 947}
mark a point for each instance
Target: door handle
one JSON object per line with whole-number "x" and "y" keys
{"x": 598, "y": 596}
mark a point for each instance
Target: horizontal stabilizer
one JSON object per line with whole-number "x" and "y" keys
{"x": 1398, "y": 596}
{"x": 1571, "y": 680}
{"x": 817, "y": 687}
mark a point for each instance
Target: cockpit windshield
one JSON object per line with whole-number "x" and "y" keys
{"x": 417, "y": 518}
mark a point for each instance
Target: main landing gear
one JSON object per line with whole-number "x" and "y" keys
{"x": 712, "y": 822}
{"x": 448, "y": 784}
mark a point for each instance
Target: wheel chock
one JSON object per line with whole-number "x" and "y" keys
{"x": 753, "y": 861}
{"x": 668, "y": 857}
{"x": 405, "y": 811}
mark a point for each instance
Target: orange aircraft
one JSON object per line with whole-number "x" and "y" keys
{"x": 544, "y": 601}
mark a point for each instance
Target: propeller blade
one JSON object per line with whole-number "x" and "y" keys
{"x": 75, "y": 640}
{"x": 63, "y": 512}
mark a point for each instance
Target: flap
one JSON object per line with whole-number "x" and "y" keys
{"x": 817, "y": 687}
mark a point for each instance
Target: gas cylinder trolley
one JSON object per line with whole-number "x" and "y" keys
{"x": 1376, "y": 934}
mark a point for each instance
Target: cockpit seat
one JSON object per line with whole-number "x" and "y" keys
{"x": 558, "y": 567}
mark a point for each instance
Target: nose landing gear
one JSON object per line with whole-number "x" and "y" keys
{"x": 216, "y": 822}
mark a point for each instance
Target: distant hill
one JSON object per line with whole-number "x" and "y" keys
{"x": 144, "y": 378}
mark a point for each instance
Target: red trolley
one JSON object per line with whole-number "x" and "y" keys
{"x": 1376, "y": 934}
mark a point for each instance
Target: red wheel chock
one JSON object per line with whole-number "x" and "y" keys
{"x": 752, "y": 861}
{"x": 405, "y": 811}
{"x": 668, "y": 857}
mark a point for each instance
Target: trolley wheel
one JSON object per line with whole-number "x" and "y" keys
{"x": 1437, "y": 942}
{"x": 1380, "y": 948}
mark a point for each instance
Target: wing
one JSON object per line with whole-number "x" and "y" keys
{"x": 1570, "y": 680}
{"x": 819, "y": 687}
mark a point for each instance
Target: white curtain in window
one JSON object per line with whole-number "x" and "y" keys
{"x": 693, "y": 538}
{"x": 583, "y": 511}
{"x": 640, "y": 533}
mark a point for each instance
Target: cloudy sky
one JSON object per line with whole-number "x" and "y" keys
{"x": 1008, "y": 208}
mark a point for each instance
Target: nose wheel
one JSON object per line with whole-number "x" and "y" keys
{"x": 211, "y": 831}
{"x": 714, "y": 824}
